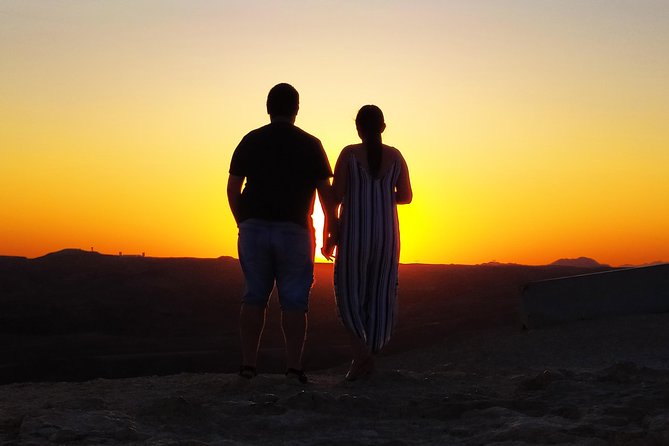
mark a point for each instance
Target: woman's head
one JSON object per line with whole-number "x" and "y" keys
{"x": 369, "y": 121}
{"x": 370, "y": 125}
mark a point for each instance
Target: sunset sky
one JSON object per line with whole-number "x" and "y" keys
{"x": 533, "y": 129}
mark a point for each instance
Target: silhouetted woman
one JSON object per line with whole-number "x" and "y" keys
{"x": 370, "y": 180}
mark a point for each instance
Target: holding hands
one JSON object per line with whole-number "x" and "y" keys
{"x": 330, "y": 240}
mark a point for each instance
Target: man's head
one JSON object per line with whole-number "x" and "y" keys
{"x": 283, "y": 100}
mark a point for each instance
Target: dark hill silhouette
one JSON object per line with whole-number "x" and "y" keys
{"x": 580, "y": 262}
{"x": 75, "y": 315}
{"x": 71, "y": 253}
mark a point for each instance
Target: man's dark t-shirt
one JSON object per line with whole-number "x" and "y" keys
{"x": 282, "y": 165}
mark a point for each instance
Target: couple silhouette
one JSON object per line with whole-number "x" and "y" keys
{"x": 283, "y": 167}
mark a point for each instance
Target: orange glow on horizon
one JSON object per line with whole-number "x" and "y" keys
{"x": 533, "y": 130}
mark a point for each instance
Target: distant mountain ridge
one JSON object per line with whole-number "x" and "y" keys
{"x": 76, "y": 254}
{"x": 581, "y": 262}
{"x": 71, "y": 254}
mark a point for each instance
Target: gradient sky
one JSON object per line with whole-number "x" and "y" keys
{"x": 533, "y": 129}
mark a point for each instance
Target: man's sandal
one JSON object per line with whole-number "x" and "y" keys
{"x": 248, "y": 372}
{"x": 298, "y": 375}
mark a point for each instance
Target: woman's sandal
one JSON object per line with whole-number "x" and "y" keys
{"x": 298, "y": 375}
{"x": 248, "y": 372}
{"x": 361, "y": 371}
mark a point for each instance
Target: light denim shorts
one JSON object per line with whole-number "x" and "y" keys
{"x": 276, "y": 252}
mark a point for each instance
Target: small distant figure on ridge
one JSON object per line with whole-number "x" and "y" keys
{"x": 283, "y": 167}
{"x": 370, "y": 180}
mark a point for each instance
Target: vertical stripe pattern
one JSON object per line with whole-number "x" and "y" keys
{"x": 368, "y": 254}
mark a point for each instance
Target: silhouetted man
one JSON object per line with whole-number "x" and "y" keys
{"x": 283, "y": 167}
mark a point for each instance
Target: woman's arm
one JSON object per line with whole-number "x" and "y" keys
{"x": 340, "y": 180}
{"x": 403, "y": 192}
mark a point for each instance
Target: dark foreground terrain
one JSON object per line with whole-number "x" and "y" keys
{"x": 459, "y": 371}
{"x": 590, "y": 383}
{"x": 75, "y": 315}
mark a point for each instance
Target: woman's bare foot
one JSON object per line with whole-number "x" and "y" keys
{"x": 360, "y": 368}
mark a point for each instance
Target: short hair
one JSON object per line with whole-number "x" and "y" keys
{"x": 283, "y": 100}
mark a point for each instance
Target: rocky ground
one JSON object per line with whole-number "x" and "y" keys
{"x": 590, "y": 383}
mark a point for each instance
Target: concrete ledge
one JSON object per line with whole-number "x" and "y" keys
{"x": 592, "y": 296}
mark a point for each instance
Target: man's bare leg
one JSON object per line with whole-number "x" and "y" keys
{"x": 251, "y": 324}
{"x": 294, "y": 325}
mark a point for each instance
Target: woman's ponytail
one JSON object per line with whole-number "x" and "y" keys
{"x": 370, "y": 124}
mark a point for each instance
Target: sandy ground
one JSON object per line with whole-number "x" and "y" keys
{"x": 589, "y": 383}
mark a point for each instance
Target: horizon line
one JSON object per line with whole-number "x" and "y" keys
{"x": 319, "y": 261}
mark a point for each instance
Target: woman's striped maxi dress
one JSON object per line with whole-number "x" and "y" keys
{"x": 367, "y": 254}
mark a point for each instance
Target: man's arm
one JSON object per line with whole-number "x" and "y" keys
{"x": 235, "y": 184}
{"x": 326, "y": 197}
